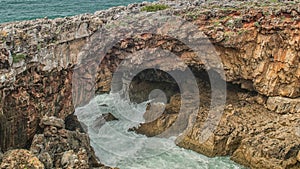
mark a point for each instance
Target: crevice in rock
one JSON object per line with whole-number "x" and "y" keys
{"x": 149, "y": 80}
{"x": 73, "y": 124}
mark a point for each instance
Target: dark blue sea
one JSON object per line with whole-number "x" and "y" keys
{"x": 16, "y": 10}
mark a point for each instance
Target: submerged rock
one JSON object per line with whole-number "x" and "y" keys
{"x": 100, "y": 121}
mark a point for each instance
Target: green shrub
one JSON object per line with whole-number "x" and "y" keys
{"x": 18, "y": 57}
{"x": 154, "y": 8}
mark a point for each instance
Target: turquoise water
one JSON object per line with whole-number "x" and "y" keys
{"x": 15, "y": 10}
{"x": 115, "y": 146}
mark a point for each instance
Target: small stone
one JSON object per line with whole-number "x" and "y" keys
{"x": 100, "y": 121}
{"x": 68, "y": 159}
{"x": 46, "y": 159}
{"x": 50, "y": 131}
{"x": 260, "y": 99}
{"x": 52, "y": 121}
{"x": 298, "y": 156}
{"x": 109, "y": 117}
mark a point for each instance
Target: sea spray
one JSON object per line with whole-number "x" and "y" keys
{"x": 118, "y": 147}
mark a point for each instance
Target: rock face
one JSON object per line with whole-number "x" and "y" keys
{"x": 283, "y": 105}
{"x": 61, "y": 148}
{"x": 20, "y": 159}
{"x": 258, "y": 44}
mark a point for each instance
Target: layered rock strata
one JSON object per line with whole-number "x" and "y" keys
{"x": 258, "y": 43}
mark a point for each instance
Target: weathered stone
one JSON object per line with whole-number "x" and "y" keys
{"x": 20, "y": 158}
{"x": 298, "y": 156}
{"x": 157, "y": 120}
{"x": 259, "y": 49}
{"x": 74, "y": 160}
{"x": 61, "y": 148}
{"x": 283, "y": 105}
{"x": 46, "y": 159}
{"x": 4, "y": 59}
{"x": 248, "y": 132}
{"x": 52, "y": 121}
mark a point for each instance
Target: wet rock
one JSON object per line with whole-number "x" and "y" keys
{"x": 158, "y": 119}
{"x": 109, "y": 117}
{"x": 100, "y": 121}
{"x": 20, "y": 158}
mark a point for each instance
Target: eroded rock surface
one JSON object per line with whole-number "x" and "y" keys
{"x": 61, "y": 148}
{"x": 20, "y": 159}
{"x": 258, "y": 43}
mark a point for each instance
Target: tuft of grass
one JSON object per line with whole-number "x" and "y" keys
{"x": 217, "y": 23}
{"x": 257, "y": 24}
{"x": 154, "y": 8}
{"x": 273, "y": 1}
{"x": 18, "y": 57}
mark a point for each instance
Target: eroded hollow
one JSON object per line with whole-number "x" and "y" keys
{"x": 152, "y": 79}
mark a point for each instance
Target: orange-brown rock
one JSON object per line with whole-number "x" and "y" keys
{"x": 20, "y": 159}
{"x": 258, "y": 43}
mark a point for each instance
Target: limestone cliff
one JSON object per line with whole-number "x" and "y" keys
{"x": 258, "y": 43}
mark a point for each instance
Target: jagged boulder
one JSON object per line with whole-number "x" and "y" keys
{"x": 61, "y": 148}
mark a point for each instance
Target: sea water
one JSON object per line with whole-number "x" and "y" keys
{"x": 16, "y": 10}
{"x": 116, "y": 146}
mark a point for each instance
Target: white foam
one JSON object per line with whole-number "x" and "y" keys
{"x": 117, "y": 147}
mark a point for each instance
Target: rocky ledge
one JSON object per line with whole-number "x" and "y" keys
{"x": 258, "y": 44}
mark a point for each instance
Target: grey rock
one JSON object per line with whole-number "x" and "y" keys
{"x": 52, "y": 121}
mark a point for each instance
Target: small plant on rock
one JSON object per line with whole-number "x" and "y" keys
{"x": 154, "y": 8}
{"x": 18, "y": 57}
{"x": 257, "y": 24}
